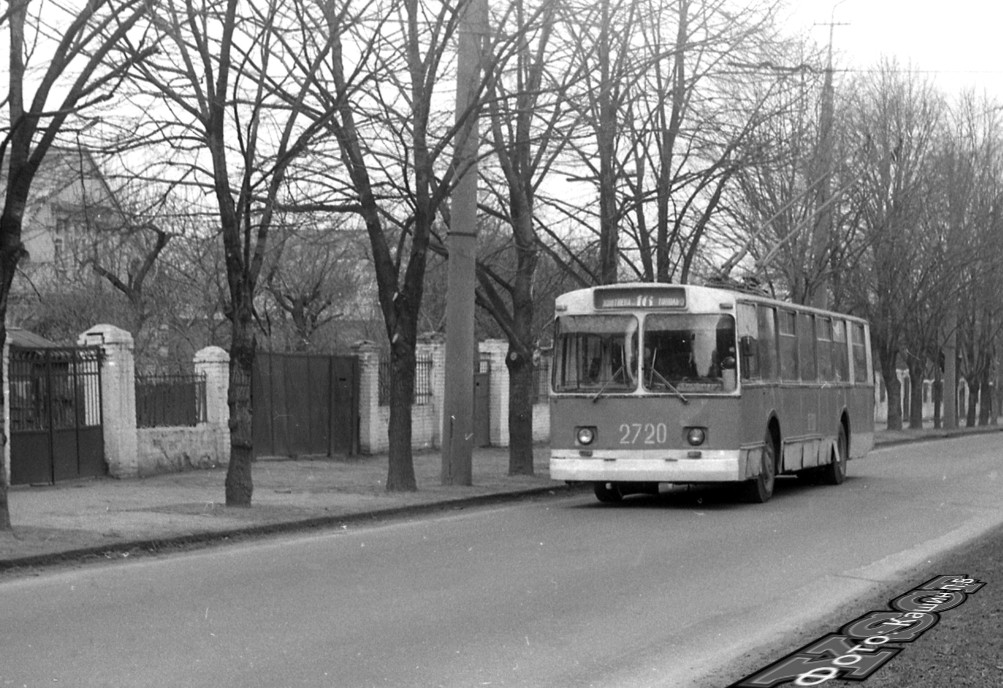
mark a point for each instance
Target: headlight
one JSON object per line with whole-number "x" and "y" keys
{"x": 585, "y": 435}
{"x": 696, "y": 436}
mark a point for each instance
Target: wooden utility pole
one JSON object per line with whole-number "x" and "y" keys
{"x": 458, "y": 401}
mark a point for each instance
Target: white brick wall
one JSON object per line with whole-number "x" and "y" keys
{"x": 132, "y": 452}
{"x": 374, "y": 420}
{"x": 118, "y": 398}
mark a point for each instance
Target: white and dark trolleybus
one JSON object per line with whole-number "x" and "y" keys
{"x": 657, "y": 383}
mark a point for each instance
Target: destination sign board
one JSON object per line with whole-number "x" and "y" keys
{"x": 641, "y": 297}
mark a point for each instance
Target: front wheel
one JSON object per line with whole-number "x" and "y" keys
{"x": 608, "y": 493}
{"x": 834, "y": 473}
{"x": 760, "y": 489}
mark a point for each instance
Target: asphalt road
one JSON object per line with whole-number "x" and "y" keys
{"x": 660, "y": 591}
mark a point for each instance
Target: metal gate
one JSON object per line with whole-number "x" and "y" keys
{"x": 55, "y": 414}
{"x": 305, "y": 404}
{"x": 482, "y": 404}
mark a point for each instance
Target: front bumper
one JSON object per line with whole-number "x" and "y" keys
{"x": 654, "y": 465}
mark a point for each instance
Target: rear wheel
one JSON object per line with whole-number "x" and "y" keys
{"x": 760, "y": 489}
{"x": 608, "y": 493}
{"x": 834, "y": 473}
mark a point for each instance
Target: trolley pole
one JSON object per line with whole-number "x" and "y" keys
{"x": 458, "y": 402}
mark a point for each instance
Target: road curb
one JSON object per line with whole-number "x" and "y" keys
{"x": 121, "y": 550}
{"x": 930, "y": 435}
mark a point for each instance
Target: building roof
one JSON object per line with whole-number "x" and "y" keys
{"x": 29, "y": 340}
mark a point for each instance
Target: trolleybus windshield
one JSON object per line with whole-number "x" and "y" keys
{"x": 681, "y": 352}
{"x": 595, "y": 353}
{"x": 689, "y": 353}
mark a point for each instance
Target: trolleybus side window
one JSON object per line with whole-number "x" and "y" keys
{"x": 788, "y": 345}
{"x": 748, "y": 345}
{"x": 806, "y": 347}
{"x": 768, "y": 343}
{"x": 595, "y": 352}
{"x": 840, "y": 364}
{"x": 859, "y": 352}
{"x": 823, "y": 330}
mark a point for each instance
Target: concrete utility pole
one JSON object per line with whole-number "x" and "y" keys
{"x": 822, "y": 235}
{"x": 458, "y": 401}
{"x": 950, "y": 395}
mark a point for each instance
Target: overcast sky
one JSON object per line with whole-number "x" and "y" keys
{"x": 958, "y": 42}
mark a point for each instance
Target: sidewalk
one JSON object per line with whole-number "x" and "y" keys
{"x": 113, "y": 518}
{"x": 110, "y": 518}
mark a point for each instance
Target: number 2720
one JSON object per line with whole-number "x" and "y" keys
{"x": 643, "y": 433}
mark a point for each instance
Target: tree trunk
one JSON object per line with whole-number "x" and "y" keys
{"x": 669, "y": 136}
{"x": 5, "y": 524}
{"x": 519, "y": 360}
{"x": 916, "y": 397}
{"x": 18, "y": 180}
{"x": 239, "y": 486}
{"x": 10, "y": 253}
{"x": 520, "y": 411}
{"x": 11, "y": 248}
{"x": 609, "y": 229}
{"x": 938, "y": 400}
{"x": 400, "y": 468}
{"x": 893, "y": 387}
{"x": 986, "y": 395}
{"x": 997, "y": 399}
{"x": 951, "y": 368}
{"x": 973, "y": 400}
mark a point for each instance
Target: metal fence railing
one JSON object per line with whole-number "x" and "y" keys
{"x": 170, "y": 400}
{"x": 56, "y": 388}
{"x": 422, "y": 381}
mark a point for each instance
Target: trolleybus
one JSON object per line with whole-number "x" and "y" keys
{"x": 658, "y": 383}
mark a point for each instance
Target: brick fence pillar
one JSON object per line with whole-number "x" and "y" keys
{"x": 214, "y": 363}
{"x": 118, "y": 398}
{"x": 495, "y": 351}
{"x": 368, "y": 354}
{"x": 433, "y": 345}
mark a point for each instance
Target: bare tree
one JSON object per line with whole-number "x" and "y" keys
{"x": 529, "y": 128}
{"x": 969, "y": 180}
{"x": 313, "y": 277}
{"x": 669, "y": 110}
{"x": 601, "y": 34}
{"x": 194, "y": 269}
{"x": 77, "y": 65}
{"x": 895, "y": 118}
{"x": 122, "y": 247}
{"x": 784, "y": 198}
{"x": 697, "y": 106}
{"x": 386, "y": 71}
{"x": 210, "y": 86}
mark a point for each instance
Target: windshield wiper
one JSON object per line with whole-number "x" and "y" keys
{"x": 606, "y": 384}
{"x": 671, "y": 387}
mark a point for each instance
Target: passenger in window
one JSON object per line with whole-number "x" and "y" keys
{"x": 719, "y": 365}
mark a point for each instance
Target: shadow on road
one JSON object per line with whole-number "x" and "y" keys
{"x": 716, "y": 497}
